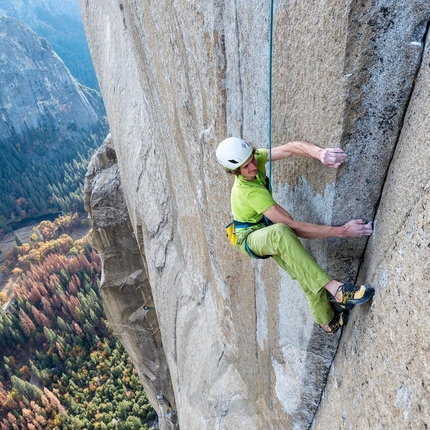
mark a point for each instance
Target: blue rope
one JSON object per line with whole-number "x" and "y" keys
{"x": 270, "y": 92}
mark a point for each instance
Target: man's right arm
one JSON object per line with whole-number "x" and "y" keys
{"x": 332, "y": 157}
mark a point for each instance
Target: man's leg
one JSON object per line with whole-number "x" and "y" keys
{"x": 282, "y": 243}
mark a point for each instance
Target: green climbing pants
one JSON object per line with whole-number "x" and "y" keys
{"x": 279, "y": 241}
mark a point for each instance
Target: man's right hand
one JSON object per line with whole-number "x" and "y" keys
{"x": 332, "y": 157}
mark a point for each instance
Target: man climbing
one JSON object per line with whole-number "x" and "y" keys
{"x": 263, "y": 228}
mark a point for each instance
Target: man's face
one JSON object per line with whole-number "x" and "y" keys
{"x": 249, "y": 168}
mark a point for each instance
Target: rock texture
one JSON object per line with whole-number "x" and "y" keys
{"x": 388, "y": 342}
{"x": 237, "y": 339}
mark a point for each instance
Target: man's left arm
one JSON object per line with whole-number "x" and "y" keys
{"x": 353, "y": 228}
{"x": 331, "y": 157}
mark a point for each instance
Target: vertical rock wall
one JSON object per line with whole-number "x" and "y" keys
{"x": 177, "y": 77}
{"x": 381, "y": 375}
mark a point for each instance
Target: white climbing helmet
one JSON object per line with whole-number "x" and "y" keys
{"x": 233, "y": 152}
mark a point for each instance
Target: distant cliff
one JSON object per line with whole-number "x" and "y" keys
{"x": 220, "y": 341}
{"x": 59, "y": 22}
{"x": 47, "y": 120}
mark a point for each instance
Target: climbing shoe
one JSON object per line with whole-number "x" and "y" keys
{"x": 351, "y": 295}
{"x": 339, "y": 307}
{"x": 337, "y": 322}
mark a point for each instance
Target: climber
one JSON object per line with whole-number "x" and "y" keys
{"x": 263, "y": 228}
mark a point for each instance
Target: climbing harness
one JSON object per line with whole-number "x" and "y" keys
{"x": 238, "y": 225}
{"x": 235, "y": 225}
{"x": 266, "y": 222}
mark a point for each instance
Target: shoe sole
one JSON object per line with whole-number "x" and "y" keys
{"x": 340, "y": 307}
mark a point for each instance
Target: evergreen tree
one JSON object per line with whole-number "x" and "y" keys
{"x": 26, "y": 390}
{"x": 18, "y": 240}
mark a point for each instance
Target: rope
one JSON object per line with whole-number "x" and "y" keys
{"x": 270, "y": 93}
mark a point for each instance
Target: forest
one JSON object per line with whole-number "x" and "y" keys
{"x": 61, "y": 366}
{"x": 35, "y": 180}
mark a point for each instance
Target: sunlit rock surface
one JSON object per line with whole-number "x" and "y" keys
{"x": 241, "y": 348}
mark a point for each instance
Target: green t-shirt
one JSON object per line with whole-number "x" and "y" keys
{"x": 249, "y": 199}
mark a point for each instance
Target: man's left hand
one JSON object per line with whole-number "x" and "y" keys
{"x": 357, "y": 228}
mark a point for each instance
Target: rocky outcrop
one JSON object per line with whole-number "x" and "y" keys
{"x": 241, "y": 348}
{"x": 125, "y": 287}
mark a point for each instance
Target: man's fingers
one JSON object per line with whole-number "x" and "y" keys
{"x": 367, "y": 228}
{"x": 361, "y": 227}
{"x": 336, "y": 151}
{"x": 333, "y": 157}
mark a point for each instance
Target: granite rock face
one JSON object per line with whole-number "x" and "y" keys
{"x": 388, "y": 342}
{"x": 47, "y": 119}
{"x": 239, "y": 347}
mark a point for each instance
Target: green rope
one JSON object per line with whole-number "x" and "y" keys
{"x": 270, "y": 92}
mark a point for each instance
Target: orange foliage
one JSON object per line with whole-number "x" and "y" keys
{"x": 26, "y": 323}
{"x": 47, "y": 307}
{"x": 24, "y": 248}
{"x": 53, "y": 400}
{"x": 3, "y": 297}
{"x": 48, "y": 237}
{"x": 46, "y": 404}
{"x": 35, "y": 407}
{"x": 50, "y": 230}
{"x": 24, "y": 372}
{"x": 60, "y": 350}
{"x": 78, "y": 330}
{"x": 41, "y": 420}
{"x": 11, "y": 418}
{"x": 41, "y": 318}
{"x": 92, "y": 386}
{"x": 33, "y": 293}
{"x": 21, "y": 202}
{"x": 17, "y": 271}
{"x": 34, "y": 237}
{"x": 74, "y": 304}
{"x": 74, "y": 285}
{"x": 27, "y": 414}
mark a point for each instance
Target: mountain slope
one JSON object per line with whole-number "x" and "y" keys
{"x": 49, "y": 124}
{"x": 58, "y": 21}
